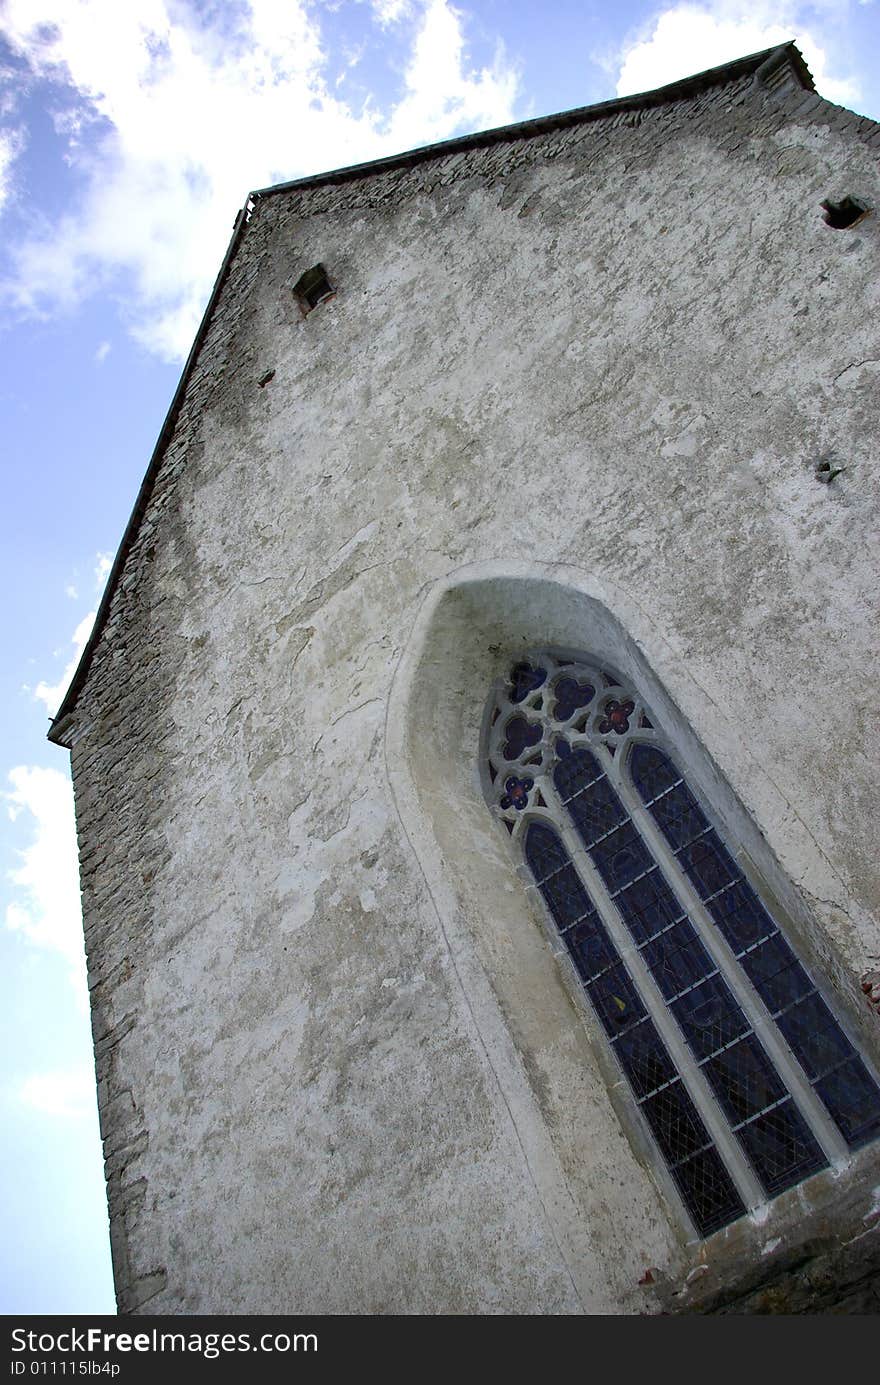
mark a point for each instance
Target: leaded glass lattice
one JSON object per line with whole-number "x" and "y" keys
{"x": 743, "y": 1076}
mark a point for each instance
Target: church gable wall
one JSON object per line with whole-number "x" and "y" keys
{"x": 620, "y": 349}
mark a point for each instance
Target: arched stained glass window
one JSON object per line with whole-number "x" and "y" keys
{"x": 740, "y": 1070}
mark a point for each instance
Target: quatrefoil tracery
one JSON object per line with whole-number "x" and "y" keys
{"x": 547, "y": 706}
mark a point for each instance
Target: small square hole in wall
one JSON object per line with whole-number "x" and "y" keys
{"x": 312, "y": 288}
{"x": 840, "y": 215}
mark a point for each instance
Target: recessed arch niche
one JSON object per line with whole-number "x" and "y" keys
{"x": 594, "y": 1180}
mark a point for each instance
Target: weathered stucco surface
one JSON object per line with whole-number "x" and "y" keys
{"x": 571, "y": 390}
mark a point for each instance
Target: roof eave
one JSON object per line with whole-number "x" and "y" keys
{"x": 760, "y": 65}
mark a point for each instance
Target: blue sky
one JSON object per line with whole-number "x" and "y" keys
{"x": 129, "y": 136}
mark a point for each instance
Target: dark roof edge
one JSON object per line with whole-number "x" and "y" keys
{"x": 57, "y": 729}
{"x": 760, "y": 65}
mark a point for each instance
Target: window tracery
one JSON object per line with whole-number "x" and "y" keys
{"x": 740, "y": 1070}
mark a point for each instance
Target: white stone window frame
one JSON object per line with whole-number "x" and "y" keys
{"x": 579, "y": 665}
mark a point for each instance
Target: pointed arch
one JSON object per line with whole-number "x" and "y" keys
{"x": 559, "y": 1080}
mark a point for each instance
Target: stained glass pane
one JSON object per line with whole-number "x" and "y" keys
{"x": 711, "y": 1020}
{"x": 814, "y": 1036}
{"x": 652, "y": 772}
{"x": 762, "y": 1114}
{"x": 779, "y": 1143}
{"x": 525, "y": 679}
{"x": 708, "y": 864}
{"x": 776, "y": 974}
{"x": 673, "y": 1117}
{"x": 590, "y": 947}
{"x": 566, "y": 897}
{"x": 708, "y": 1190}
{"x": 570, "y": 696}
{"x": 850, "y": 1094}
{"x": 596, "y": 812}
{"x": 677, "y": 959}
{"x": 648, "y": 906}
{"x": 621, "y": 857}
{"x": 544, "y": 851}
{"x": 645, "y": 1060}
{"x": 616, "y": 1000}
{"x": 709, "y": 1017}
{"x": 521, "y": 734}
{"x": 741, "y": 917}
{"x": 744, "y": 1080}
{"x": 577, "y": 772}
{"x": 680, "y": 816}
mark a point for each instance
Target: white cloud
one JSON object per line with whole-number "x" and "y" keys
{"x": 45, "y": 908}
{"x": 103, "y": 564}
{"x": 440, "y": 95}
{"x": 11, "y": 144}
{"x": 174, "y": 112}
{"x": 392, "y": 11}
{"x": 102, "y": 352}
{"x": 51, "y": 694}
{"x": 689, "y": 38}
{"x": 67, "y": 1094}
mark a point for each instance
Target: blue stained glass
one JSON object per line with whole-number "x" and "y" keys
{"x": 776, "y": 974}
{"x": 521, "y": 735}
{"x": 645, "y": 1059}
{"x": 652, "y": 772}
{"x": 596, "y": 812}
{"x": 744, "y": 1080}
{"x": 570, "y": 696}
{"x": 557, "y": 878}
{"x": 713, "y": 1024}
{"x": 566, "y": 897}
{"x": 680, "y": 816}
{"x": 576, "y": 771}
{"x": 779, "y": 1143}
{"x": 525, "y": 679}
{"x": 708, "y": 1190}
{"x": 709, "y": 1017}
{"x": 674, "y": 1119}
{"x": 590, "y": 947}
{"x": 544, "y": 851}
{"x": 708, "y": 864}
{"x": 814, "y": 1036}
{"x": 763, "y": 1116}
{"x": 741, "y": 917}
{"x": 616, "y": 1000}
{"x": 620, "y": 857}
{"x": 677, "y": 959}
{"x": 850, "y": 1094}
{"x": 648, "y": 906}
{"x": 705, "y": 1184}
{"x": 702, "y": 1179}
